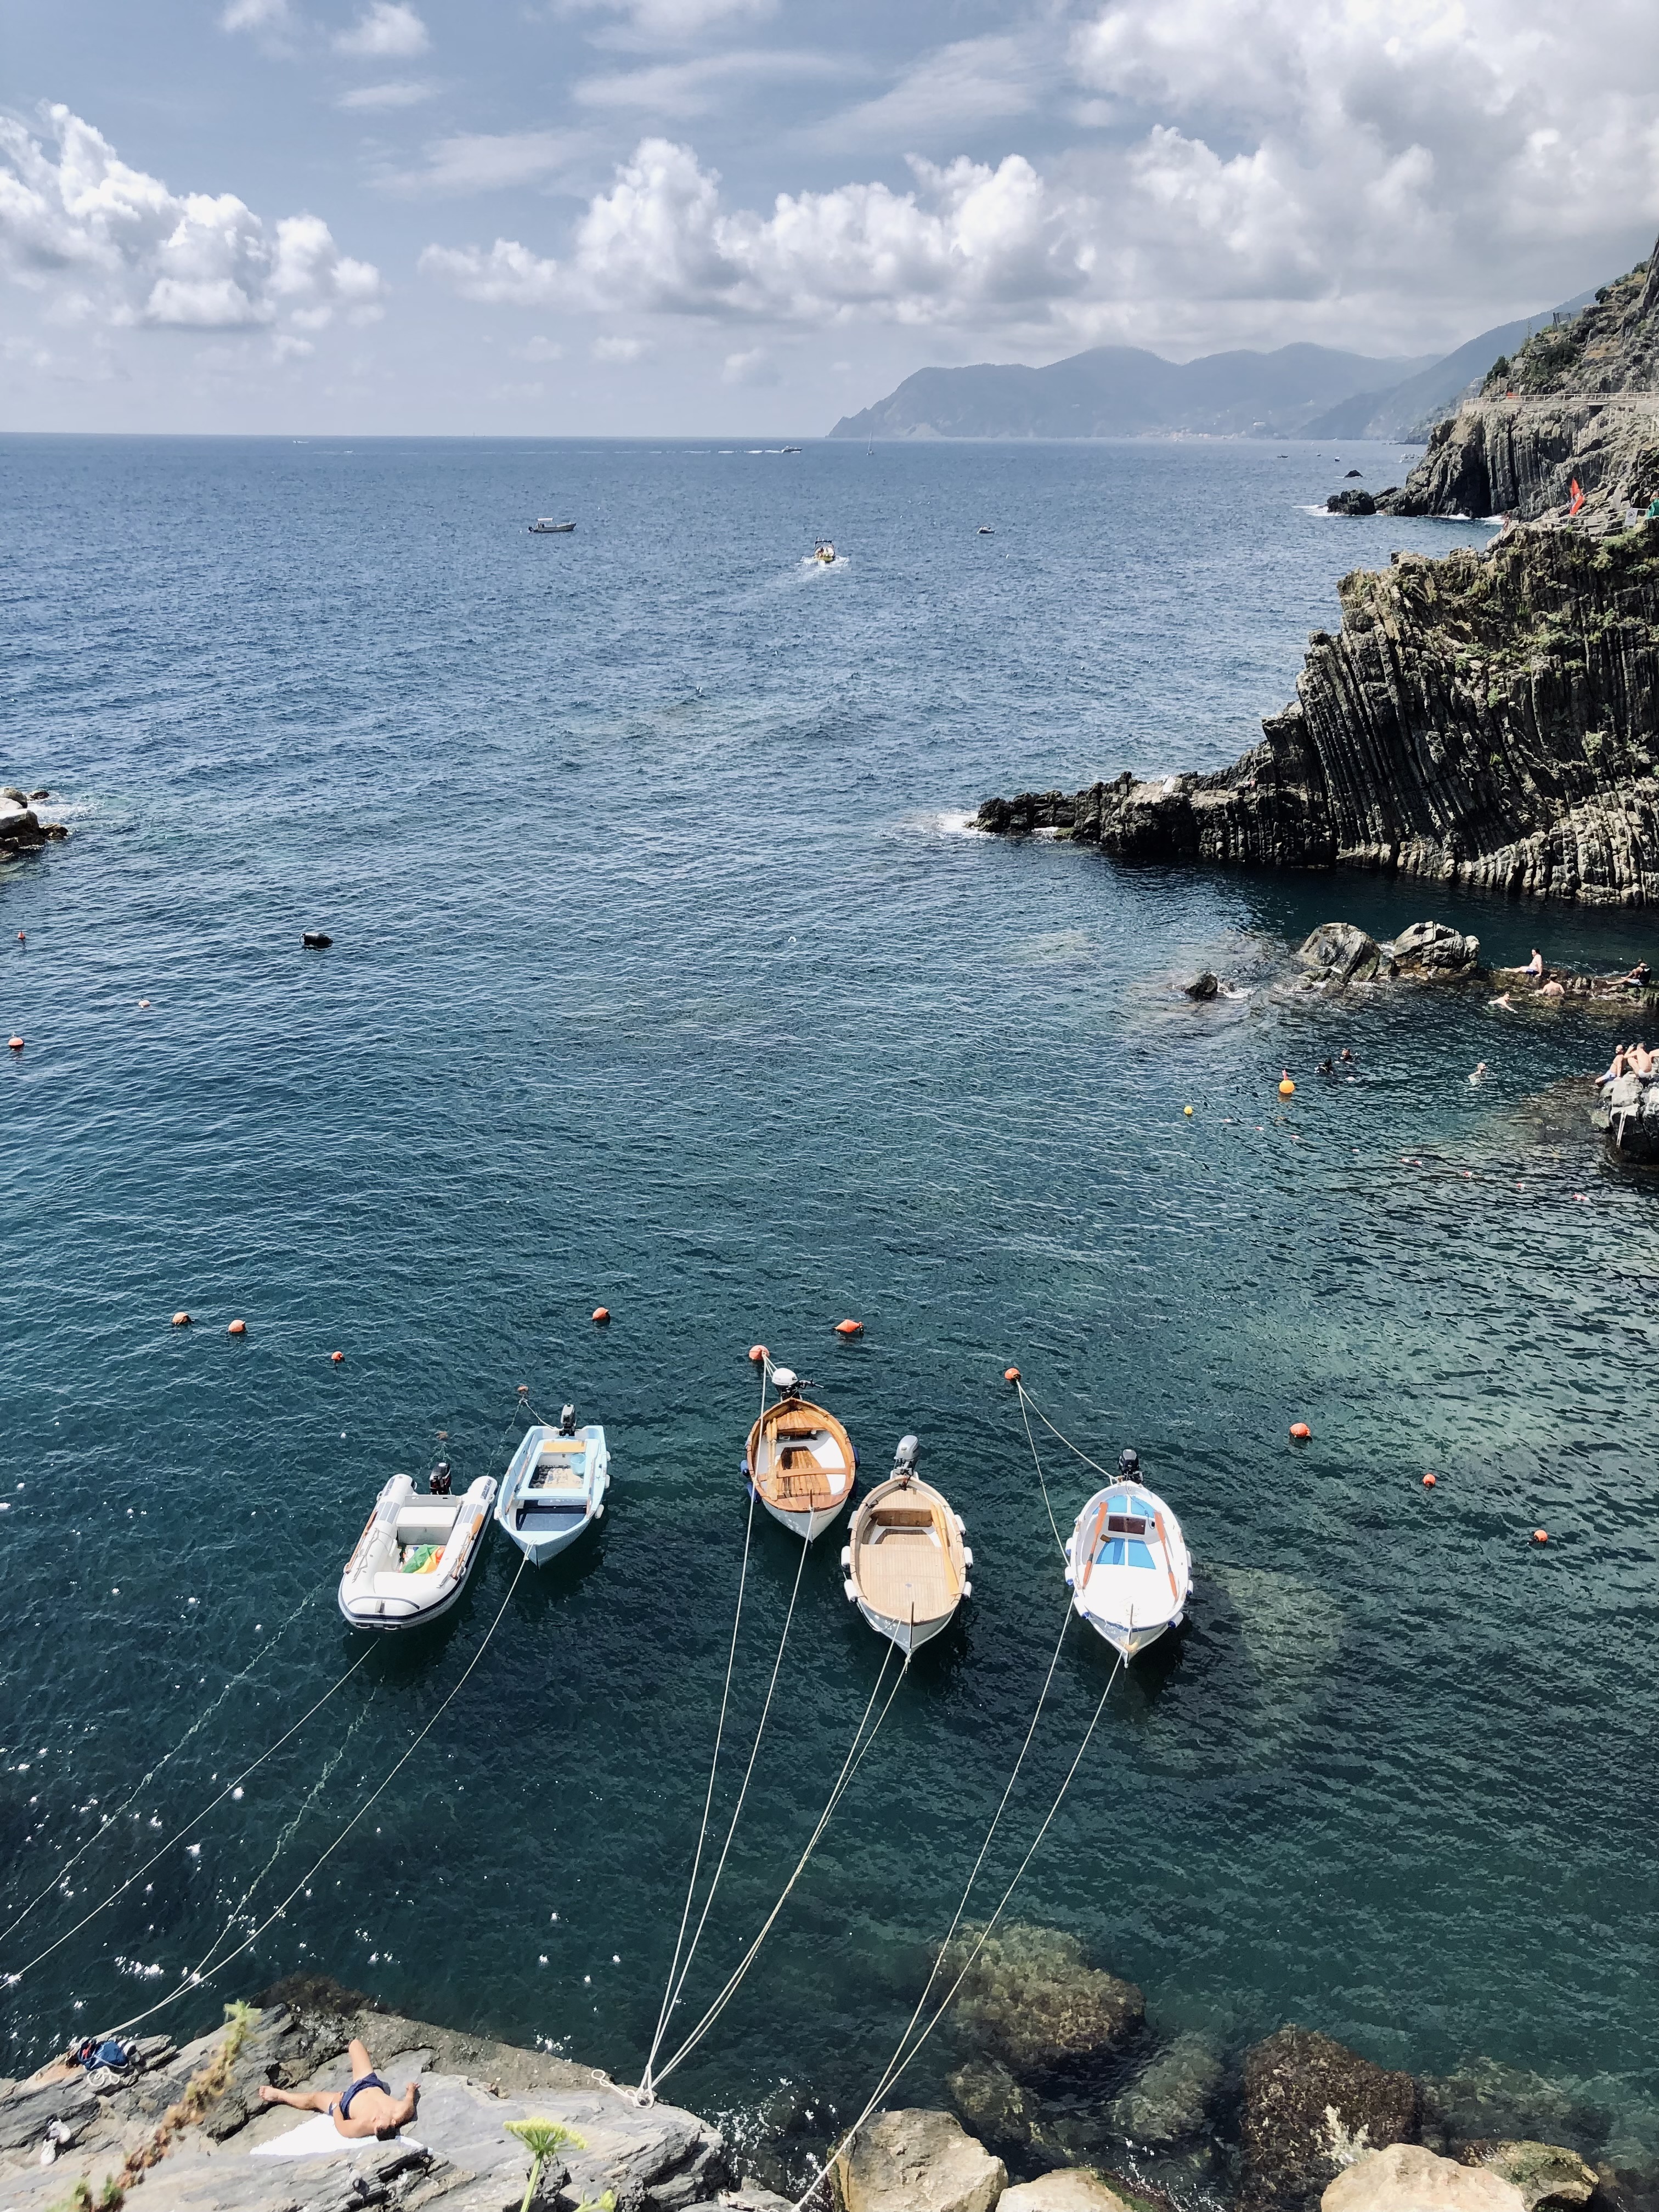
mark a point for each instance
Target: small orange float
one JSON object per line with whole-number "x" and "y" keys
{"x": 336, "y": 1357}
{"x": 1011, "y": 1374}
{"x": 1301, "y": 1432}
{"x": 16, "y": 1043}
{"x": 757, "y": 1352}
{"x": 601, "y": 1314}
{"x": 1285, "y": 1086}
{"x": 1541, "y": 1535}
{"x": 237, "y": 1329}
{"x": 849, "y": 1328}
{"x": 1429, "y": 1482}
{"x": 181, "y": 1319}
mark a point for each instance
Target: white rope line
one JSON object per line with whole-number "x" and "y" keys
{"x": 901, "y": 2060}
{"x": 11, "y": 1980}
{"x": 850, "y": 1767}
{"x": 708, "y": 1799}
{"x": 1111, "y": 1474}
{"x": 196, "y": 1981}
{"x": 200, "y": 1722}
{"x": 737, "y": 1810}
{"x": 1031, "y": 1440}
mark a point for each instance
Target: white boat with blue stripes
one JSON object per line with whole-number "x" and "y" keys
{"x": 554, "y": 1487}
{"x": 1127, "y": 1564}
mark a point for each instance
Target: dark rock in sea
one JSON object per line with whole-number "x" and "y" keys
{"x": 1434, "y": 949}
{"x": 1204, "y": 984}
{"x": 1340, "y": 953}
{"x": 1629, "y": 1112}
{"x": 1310, "y": 2106}
{"x": 1490, "y": 718}
{"x": 1356, "y": 473}
{"x": 992, "y": 2104}
{"x": 1549, "y": 2179}
{"x": 1031, "y": 2000}
{"x": 316, "y": 940}
{"x": 42, "y": 793}
{"x": 9, "y": 791}
{"x": 1170, "y": 2101}
{"x": 1351, "y": 503}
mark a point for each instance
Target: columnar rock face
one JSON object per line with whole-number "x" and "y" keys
{"x": 1490, "y": 720}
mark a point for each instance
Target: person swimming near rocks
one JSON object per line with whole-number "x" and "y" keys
{"x": 1480, "y": 1075}
{"x": 367, "y": 2108}
{"x": 1325, "y": 1067}
{"x": 1505, "y": 1000}
{"x": 1555, "y": 989}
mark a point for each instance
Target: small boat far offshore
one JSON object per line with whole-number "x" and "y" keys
{"x": 1126, "y": 1563}
{"x": 554, "y": 1488}
{"x": 545, "y": 526}
{"x": 799, "y": 1460}
{"x": 907, "y": 1563}
{"x": 824, "y": 551}
{"x": 414, "y": 1555}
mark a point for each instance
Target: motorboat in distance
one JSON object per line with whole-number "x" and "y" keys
{"x": 907, "y": 1565}
{"x": 554, "y": 1488}
{"x": 824, "y": 551}
{"x": 1127, "y": 1564}
{"x": 799, "y": 1460}
{"x": 545, "y": 526}
{"x": 415, "y": 1554}
{"x": 986, "y": 530}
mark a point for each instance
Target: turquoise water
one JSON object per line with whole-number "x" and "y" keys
{"x": 665, "y": 976}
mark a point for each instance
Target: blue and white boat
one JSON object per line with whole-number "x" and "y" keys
{"x": 1127, "y": 1564}
{"x": 554, "y": 1487}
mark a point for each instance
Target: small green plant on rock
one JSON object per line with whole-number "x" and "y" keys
{"x": 541, "y": 2138}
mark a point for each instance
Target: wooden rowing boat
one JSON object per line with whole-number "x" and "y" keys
{"x": 554, "y": 1487}
{"x": 906, "y": 1563}
{"x": 800, "y": 1460}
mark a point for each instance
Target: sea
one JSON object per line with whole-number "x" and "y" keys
{"x": 668, "y": 976}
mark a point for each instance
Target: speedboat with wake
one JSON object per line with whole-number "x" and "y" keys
{"x": 824, "y": 551}
{"x": 907, "y": 1565}
{"x": 414, "y": 1555}
{"x": 799, "y": 1460}
{"x": 554, "y": 1488}
{"x": 1126, "y": 1563}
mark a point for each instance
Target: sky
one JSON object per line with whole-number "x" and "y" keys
{"x": 690, "y": 217}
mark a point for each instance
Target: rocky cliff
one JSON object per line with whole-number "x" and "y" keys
{"x": 1579, "y": 401}
{"x": 1491, "y": 718}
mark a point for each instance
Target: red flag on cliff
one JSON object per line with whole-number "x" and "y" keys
{"x": 1577, "y": 498}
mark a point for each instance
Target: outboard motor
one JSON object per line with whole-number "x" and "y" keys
{"x": 568, "y": 1422}
{"x": 437, "y": 1482}
{"x": 785, "y": 1382}
{"x": 904, "y": 1458}
{"x": 1128, "y": 1462}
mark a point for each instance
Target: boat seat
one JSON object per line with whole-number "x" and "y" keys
{"x": 425, "y": 1524}
{"x": 555, "y": 1501}
{"x": 402, "y": 1585}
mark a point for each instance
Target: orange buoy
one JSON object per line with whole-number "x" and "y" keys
{"x": 181, "y": 1319}
{"x": 1541, "y": 1535}
{"x": 1011, "y": 1374}
{"x": 1301, "y": 1432}
{"x": 21, "y": 939}
{"x": 336, "y": 1357}
{"x": 1285, "y": 1086}
{"x": 757, "y": 1352}
{"x": 237, "y": 1329}
{"x": 601, "y": 1314}
{"x": 523, "y": 1389}
{"x": 1429, "y": 1481}
{"x": 16, "y": 1043}
{"x": 849, "y": 1328}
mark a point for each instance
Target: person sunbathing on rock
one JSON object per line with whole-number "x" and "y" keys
{"x": 1638, "y": 974}
{"x": 1536, "y": 965}
{"x": 1614, "y": 1069}
{"x": 1640, "y": 1061}
{"x": 367, "y": 2108}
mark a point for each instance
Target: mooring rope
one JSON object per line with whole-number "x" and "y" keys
{"x": 901, "y": 2059}
{"x": 850, "y": 1765}
{"x": 196, "y": 1980}
{"x": 1026, "y": 1408}
{"x": 139, "y": 1788}
{"x": 10, "y": 1980}
{"x": 1112, "y": 1474}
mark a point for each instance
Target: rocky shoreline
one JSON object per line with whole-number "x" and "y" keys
{"x": 21, "y": 829}
{"x": 1066, "y": 2099}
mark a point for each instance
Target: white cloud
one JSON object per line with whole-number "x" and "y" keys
{"x": 703, "y": 86}
{"x": 682, "y": 20}
{"x": 619, "y": 350}
{"x": 539, "y": 349}
{"x": 398, "y": 94}
{"x": 109, "y": 244}
{"x": 492, "y": 163}
{"x": 255, "y": 15}
{"x": 387, "y": 30}
{"x": 754, "y": 368}
{"x": 944, "y": 95}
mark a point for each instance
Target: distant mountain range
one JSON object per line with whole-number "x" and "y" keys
{"x": 1120, "y": 392}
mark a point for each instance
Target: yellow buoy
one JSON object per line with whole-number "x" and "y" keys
{"x": 1186, "y": 1110}
{"x": 1285, "y": 1086}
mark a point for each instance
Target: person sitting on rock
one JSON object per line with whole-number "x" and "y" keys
{"x": 367, "y": 2108}
{"x": 1638, "y": 974}
{"x": 1536, "y": 965}
{"x": 1614, "y": 1070}
{"x": 1641, "y": 1061}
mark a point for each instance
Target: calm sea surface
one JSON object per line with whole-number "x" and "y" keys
{"x": 664, "y": 975}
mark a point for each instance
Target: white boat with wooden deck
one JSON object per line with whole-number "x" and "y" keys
{"x": 1127, "y": 1564}
{"x": 554, "y": 1488}
{"x": 799, "y": 1460}
{"x": 907, "y": 1565}
{"x": 414, "y": 1555}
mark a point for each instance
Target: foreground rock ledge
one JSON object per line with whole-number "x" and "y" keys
{"x": 1489, "y": 719}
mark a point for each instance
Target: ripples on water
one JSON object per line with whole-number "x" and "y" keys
{"x": 664, "y": 975}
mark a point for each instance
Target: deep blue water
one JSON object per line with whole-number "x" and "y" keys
{"x": 665, "y": 976}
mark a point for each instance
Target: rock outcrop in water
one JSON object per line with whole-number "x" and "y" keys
{"x": 1490, "y": 720}
{"x": 21, "y": 829}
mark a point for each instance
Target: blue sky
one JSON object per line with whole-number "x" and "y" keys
{"x": 687, "y": 216}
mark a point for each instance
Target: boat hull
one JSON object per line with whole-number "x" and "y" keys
{"x": 1129, "y": 1567}
{"x": 909, "y": 1635}
{"x": 906, "y": 1562}
{"x": 807, "y": 1524}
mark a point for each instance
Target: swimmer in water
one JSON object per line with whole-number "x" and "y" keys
{"x": 1503, "y": 1000}
{"x": 1480, "y": 1075}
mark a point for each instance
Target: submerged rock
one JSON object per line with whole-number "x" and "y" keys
{"x": 1311, "y": 2108}
{"x": 1546, "y": 2175}
{"x": 991, "y": 2101}
{"x": 1204, "y": 984}
{"x": 1170, "y": 2101}
{"x": 1032, "y": 2000}
{"x": 1487, "y": 2099}
{"x": 1407, "y": 2177}
{"x": 1340, "y": 953}
{"x": 918, "y": 2161}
